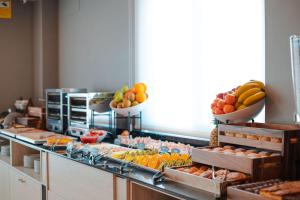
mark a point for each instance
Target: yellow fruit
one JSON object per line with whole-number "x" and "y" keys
{"x": 237, "y": 104}
{"x": 245, "y": 87}
{"x": 254, "y": 98}
{"x": 241, "y": 107}
{"x": 261, "y": 84}
{"x": 248, "y": 93}
{"x": 135, "y": 103}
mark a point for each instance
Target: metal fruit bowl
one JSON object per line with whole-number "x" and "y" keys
{"x": 243, "y": 115}
{"x": 130, "y": 111}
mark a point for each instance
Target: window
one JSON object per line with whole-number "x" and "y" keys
{"x": 187, "y": 51}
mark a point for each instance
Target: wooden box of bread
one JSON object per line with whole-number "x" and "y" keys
{"x": 206, "y": 178}
{"x": 275, "y": 137}
{"x": 260, "y": 165}
{"x": 266, "y": 190}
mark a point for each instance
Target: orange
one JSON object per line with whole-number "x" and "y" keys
{"x": 140, "y": 97}
{"x": 145, "y": 86}
{"x": 154, "y": 163}
{"x": 230, "y": 99}
{"x": 221, "y": 104}
{"x": 139, "y": 87}
{"x": 228, "y": 108}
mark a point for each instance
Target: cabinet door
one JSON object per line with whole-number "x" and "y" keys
{"x": 4, "y": 181}
{"x": 75, "y": 181}
{"x": 23, "y": 188}
{"x": 53, "y": 196}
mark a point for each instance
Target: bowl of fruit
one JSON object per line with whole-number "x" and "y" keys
{"x": 130, "y": 102}
{"x": 241, "y": 104}
{"x": 93, "y": 136}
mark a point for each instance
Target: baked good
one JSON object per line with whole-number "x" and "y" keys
{"x": 229, "y": 152}
{"x": 203, "y": 168}
{"x": 207, "y": 174}
{"x": 239, "y": 150}
{"x": 240, "y": 153}
{"x": 275, "y": 154}
{"x": 251, "y": 151}
{"x": 287, "y": 190}
{"x": 235, "y": 176}
{"x": 252, "y": 137}
{"x": 240, "y": 135}
{"x": 253, "y": 155}
{"x": 276, "y": 140}
{"x": 206, "y": 149}
{"x": 228, "y": 147}
{"x": 217, "y": 149}
{"x": 264, "y": 154}
{"x": 264, "y": 138}
{"x": 230, "y": 134}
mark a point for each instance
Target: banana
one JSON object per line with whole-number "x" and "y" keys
{"x": 245, "y": 87}
{"x": 241, "y": 107}
{"x": 248, "y": 93}
{"x": 237, "y": 104}
{"x": 254, "y": 98}
{"x": 261, "y": 84}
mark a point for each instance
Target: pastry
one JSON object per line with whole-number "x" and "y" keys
{"x": 217, "y": 149}
{"x": 235, "y": 176}
{"x": 203, "y": 168}
{"x": 240, "y": 135}
{"x": 287, "y": 190}
{"x": 264, "y": 138}
{"x": 206, "y": 149}
{"x": 240, "y": 153}
{"x": 252, "y": 137}
{"x": 276, "y": 140}
{"x": 230, "y": 134}
{"x": 240, "y": 150}
{"x": 264, "y": 154}
{"x": 228, "y": 147}
{"x": 253, "y": 155}
{"x": 275, "y": 154}
{"x": 228, "y": 152}
{"x": 207, "y": 174}
{"x": 250, "y": 151}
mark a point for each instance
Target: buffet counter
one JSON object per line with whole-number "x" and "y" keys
{"x": 63, "y": 177}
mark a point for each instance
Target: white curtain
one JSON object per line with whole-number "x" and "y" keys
{"x": 187, "y": 51}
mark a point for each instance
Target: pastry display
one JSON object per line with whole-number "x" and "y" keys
{"x": 252, "y": 137}
{"x": 276, "y": 140}
{"x": 240, "y": 135}
{"x": 207, "y": 172}
{"x": 230, "y": 134}
{"x": 264, "y": 138}
{"x": 231, "y": 150}
{"x": 286, "y": 190}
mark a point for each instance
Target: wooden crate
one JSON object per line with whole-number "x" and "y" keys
{"x": 258, "y": 168}
{"x": 289, "y": 147}
{"x": 214, "y": 186}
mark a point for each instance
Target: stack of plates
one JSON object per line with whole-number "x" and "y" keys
{"x": 28, "y": 160}
{"x": 5, "y": 150}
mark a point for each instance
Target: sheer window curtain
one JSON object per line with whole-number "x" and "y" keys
{"x": 187, "y": 51}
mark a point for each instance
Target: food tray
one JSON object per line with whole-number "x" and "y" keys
{"x": 214, "y": 186}
{"x": 259, "y": 168}
{"x": 285, "y": 138}
{"x": 249, "y": 191}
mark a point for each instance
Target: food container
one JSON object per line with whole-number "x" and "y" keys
{"x": 28, "y": 160}
{"x": 243, "y": 115}
{"x": 94, "y": 136}
{"x": 88, "y": 139}
{"x": 215, "y": 186}
{"x": 130, "y": 111}
{"x": 282, "y": 138}
{"x": 260, "y": 168}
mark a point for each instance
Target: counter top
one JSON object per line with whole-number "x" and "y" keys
{"x": 140, "y": 176}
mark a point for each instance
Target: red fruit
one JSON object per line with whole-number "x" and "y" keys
{"x": 213, "y": 105}
{"x": 221, "y": 103}
{"x": 220, "y": 95}
{"x": 228, "y": 108}
{"x": 218, "y": 111}
{"x": 230, "y": 99}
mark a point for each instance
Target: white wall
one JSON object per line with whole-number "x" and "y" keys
{"x": 282, "y": 20}
{"x": 16, "y": 55}
{"x": 94, "y": 44}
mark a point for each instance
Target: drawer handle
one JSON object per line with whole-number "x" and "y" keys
{"x": 21, "y": 180}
